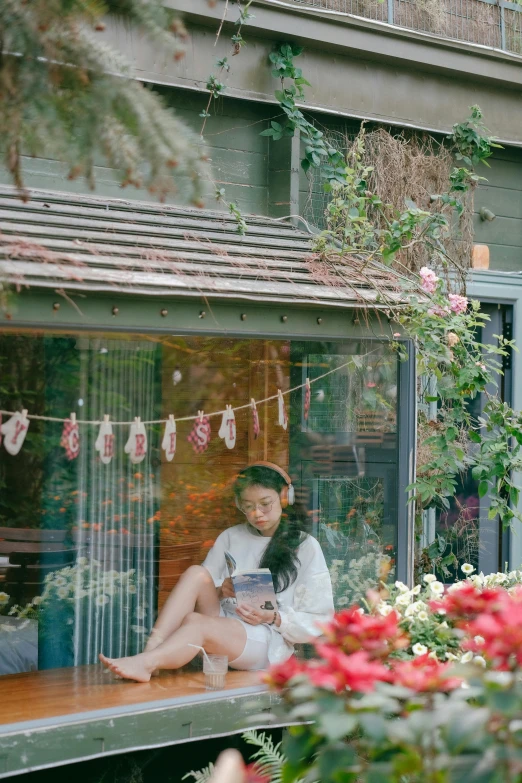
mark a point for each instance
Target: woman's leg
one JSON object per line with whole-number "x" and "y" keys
{"x": 219, "y": 635}
{"x": 194, "y": 591}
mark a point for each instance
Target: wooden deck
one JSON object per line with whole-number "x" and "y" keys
{"x": 58, "y": 692}
{"x": 58, "y": 716}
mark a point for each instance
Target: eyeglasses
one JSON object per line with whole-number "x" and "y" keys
{"x": 249, "y": 508}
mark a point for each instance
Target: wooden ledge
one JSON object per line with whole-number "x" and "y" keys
{"x": 59, "y": 716}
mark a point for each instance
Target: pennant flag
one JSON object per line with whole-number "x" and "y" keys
{"x": 200, "y": 434}
{"x": 136, "y": 446}
{"x": 105, "y": 441}
{"x": 14, "y": 431}
{"x": 282, "y": 416}
{"x": 307, "y": 395}
{"x": 70, "y": 440}
{"x": 255, "y": 418}
{"x": 168, "y": 443}
{"x": 227, "y": 431}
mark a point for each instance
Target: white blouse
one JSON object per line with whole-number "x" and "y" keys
{"x": 305, "y": 603}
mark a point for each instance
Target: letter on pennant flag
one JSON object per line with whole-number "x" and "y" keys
{"x": 105, "y": 441}
{"x": 136, "y": 446}
{"x": 168, "y": 443}
{"x": 255, "y": 418}
{"x": 70, "y": 440}
{"x": 227, "y": 431}
{"x": 14, "y": 431}
{"x": 282, "y": 417}
{"x": 200, "y": 434}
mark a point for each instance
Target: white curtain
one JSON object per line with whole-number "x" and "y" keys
{"x": 116, "y": 502}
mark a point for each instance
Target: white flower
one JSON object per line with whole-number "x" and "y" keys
{"x": 131, "y": 589}
{"x": 37, "y": 600}
{"x": 384, "y": 609}
{"x": 423, "y": 616}
{"x": 62, "y": 592}
{"x": 437, "y": 588}
{"x": 479, "y": 640}
{"x": 401, "y": 586}
{"x": 59, "y": 581}
{"x": 416, "y": 590}
{"x": 4, "y": 599}
{"x": 467, "y": 657}
{"x": 479, "y": 661}
{"x": 82, "y": 561}
{"x": 410, "y": 610}
{"x": 337, "y": 562}
{"x": 444, "y": 625}
{"x": 429, "y": 578}
{"x": 101, "y": 600}
{"x": 456, "y": 586}
{"x": 140, "y": 613}
{"x": 403, "y": 600}
{"x": 419, "y": 649}
{"x": 450, "y": 656}
{"x": 467, "y": 569}
{"x": 138, "y": 628}
{"x": 433, "y": 655}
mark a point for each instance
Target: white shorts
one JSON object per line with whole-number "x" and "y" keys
{"x": 255, "y": 651}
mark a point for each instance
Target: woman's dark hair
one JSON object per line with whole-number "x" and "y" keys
{"x": 280, "y": 556}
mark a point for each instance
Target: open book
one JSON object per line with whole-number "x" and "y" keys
{"x": 254, "y": 587}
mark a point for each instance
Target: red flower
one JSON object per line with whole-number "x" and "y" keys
{"x": 351, "y": 631}
{"x": 254, "y": 775}
{"x": 280, "y": 674}
{"x": 468, "y": 602}
{"x": 501, "y": 631}
{"x": 424, "y": 674}
{"x": 355, "y": 671}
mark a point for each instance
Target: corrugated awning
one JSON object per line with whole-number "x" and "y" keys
{"x": 84, "y": 243}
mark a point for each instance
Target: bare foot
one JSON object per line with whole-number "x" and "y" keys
{"x": 134, "y": 668}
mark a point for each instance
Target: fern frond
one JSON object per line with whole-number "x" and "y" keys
{"x": 269, "y": 759}
{"x": 201, "y": 775}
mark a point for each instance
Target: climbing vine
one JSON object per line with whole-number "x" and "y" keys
{"x": 216, "y": 88}
{"x": 444, "y": 326}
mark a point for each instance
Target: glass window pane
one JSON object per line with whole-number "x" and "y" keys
{"x": 91, "y": 548}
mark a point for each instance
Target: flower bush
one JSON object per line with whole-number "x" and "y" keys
{"x": 73, "y": 594}
{"x": 374, "y": 713}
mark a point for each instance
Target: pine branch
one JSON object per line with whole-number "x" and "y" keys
{"x": 66, "y": 94}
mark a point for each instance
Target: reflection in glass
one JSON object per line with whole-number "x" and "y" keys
{"x": 90, "y": 552}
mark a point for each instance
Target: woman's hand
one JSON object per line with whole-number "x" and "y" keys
{"x": 227, "y": 589}
{"x": 249, "y": 614}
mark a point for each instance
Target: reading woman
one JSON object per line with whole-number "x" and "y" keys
{"x": 201, "y": 611}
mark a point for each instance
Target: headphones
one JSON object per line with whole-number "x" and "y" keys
{"x": 287, "y": 495}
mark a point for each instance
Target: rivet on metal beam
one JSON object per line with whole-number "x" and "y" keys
{"x": 243, "y": 316}
{"x": 56, "y": 305}
{"x": 115, "y": 310}
{"x": 319, "y": 321}
{"x": 164, "y": 312}
{"x": 284, "y": 318}
{"x": 202, "y": 314}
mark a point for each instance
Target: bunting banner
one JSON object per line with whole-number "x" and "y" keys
{"x": 14, "y": 430}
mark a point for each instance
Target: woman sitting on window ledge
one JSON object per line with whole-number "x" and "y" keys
{"x": 201, "y": 609}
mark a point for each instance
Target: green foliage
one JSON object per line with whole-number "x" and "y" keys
{"x": 66, "y": 94}
{"x": 318, "y": 153}
{"x": 268, "y": 759}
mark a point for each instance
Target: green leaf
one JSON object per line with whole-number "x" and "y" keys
{"x": 337, "y": 726}
{"x": 483, "y": 488}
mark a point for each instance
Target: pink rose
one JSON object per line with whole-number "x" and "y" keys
{"x": 429, "y": 280}
{"x": 459, "y": 304}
